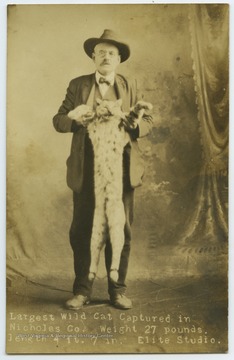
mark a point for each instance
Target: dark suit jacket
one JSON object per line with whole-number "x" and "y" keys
{"x": 77, "y": 94}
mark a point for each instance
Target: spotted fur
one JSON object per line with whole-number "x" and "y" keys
{"x": 108, "y": 138}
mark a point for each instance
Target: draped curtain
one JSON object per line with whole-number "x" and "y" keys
{"x": 210, "y": 41}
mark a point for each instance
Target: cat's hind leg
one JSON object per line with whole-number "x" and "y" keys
{"x": 116, "y": 221}
{"x": 97, "y": 239}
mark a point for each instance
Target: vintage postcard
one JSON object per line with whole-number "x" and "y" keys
{"x": 117, "y": 179}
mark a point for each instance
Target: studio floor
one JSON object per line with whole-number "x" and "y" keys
{"x": 173, "y": 315}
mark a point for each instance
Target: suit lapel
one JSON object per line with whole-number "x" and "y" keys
{"x": 122, "y": 93}
{"x": 86, "y": 88}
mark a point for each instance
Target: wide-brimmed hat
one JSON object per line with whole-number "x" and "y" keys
{"x": 111, "y": 37}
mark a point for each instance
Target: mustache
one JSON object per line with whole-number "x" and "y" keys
{"x": 106, "y": 62}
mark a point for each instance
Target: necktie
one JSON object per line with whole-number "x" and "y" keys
{"x": 102, "y": 80}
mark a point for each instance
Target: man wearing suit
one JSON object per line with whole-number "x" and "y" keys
{"x": 107, "y": 53}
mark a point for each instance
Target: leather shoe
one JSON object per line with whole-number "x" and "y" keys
{"x": 77, "y": 302}
{"x": 120, "y": 301}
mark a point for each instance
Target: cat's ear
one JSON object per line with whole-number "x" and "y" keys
{"x": 119, "y": 102}
{"x": 98, "y": 101}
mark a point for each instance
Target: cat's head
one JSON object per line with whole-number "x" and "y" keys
{"x": 106, "y": 108}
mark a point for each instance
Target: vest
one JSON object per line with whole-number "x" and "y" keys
{"x": 96, "y": 94}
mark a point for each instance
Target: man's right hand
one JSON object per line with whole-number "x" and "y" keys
{"x": 82, "y": 114}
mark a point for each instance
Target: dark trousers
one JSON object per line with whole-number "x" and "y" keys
{"x": 81, "y": 229}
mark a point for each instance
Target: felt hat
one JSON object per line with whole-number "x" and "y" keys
{"x": 110, "y": 37}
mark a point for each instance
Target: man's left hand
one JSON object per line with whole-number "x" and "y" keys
{"x": 130, "y": 121}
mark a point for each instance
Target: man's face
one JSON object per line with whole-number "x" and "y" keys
{"x": 106, "y": 58}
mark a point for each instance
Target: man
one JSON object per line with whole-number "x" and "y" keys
{"x": 107, "y": 53}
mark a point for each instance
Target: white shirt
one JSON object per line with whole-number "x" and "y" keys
{"x": 104, "y": 87}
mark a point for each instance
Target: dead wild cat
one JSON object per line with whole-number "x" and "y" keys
{"x": 108, "y": 138}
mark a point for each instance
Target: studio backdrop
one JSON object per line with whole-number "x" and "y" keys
{"x": 179, "y": 55}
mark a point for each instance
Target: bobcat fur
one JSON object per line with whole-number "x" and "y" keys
{"x": 108, "y": 138}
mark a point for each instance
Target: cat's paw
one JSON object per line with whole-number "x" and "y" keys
{"x": 142, "y": 105}
{"x": 91, "y": 276}
{"x": 114, "y": 275}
